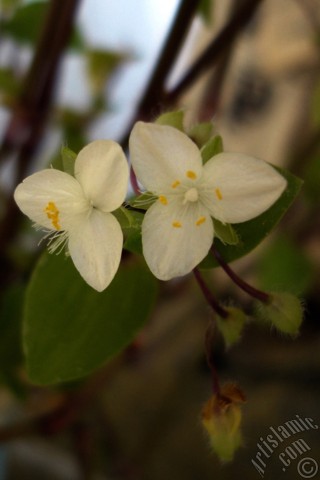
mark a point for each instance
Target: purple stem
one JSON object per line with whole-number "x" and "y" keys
{"x": 253, "y": 292}
{"x": 208, "y": 295}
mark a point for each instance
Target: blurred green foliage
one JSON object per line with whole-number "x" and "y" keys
{"x": 284, "y": 266}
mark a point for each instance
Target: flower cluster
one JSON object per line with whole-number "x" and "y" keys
{"x": 177, "y": 230}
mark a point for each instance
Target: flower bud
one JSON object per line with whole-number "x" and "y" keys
{"x": 221, "y": 418}
{"x": 284, "y": 311}
{"x": 172, "y": 119}
{"x": 201, "y": 133}
{"x": 232, "y": 326}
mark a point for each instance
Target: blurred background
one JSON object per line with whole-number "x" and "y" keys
{"x": 75, "y": 71}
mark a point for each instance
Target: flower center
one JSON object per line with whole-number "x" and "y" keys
{"x": 191, "y": 195}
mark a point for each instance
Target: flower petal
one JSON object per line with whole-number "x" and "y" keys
{"x": 162, "y": 155}
{"x": 175, "y": 238}
{"x": 102, "y": 170}
{"x": 238, "y": 187}
{"x": 51, "y": 198}
{"x": 95, "y": 248}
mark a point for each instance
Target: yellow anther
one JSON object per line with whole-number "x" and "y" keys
{"x": 53, "y": 214}
{"x": 218, "y": 193}
{"x": 176, "y": 224}
{"x": 200, "y": 221}
{"x": 163, "y": 200}
{"x": 175, "y": 184}
{"x": 191, "y": 174}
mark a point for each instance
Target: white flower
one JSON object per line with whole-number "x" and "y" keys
{"x": 177, "y": 230}
{"x": 77, "y": 209}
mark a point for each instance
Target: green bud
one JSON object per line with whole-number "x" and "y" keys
{"x": 232, "y": 326}
{"x": 221, "y": 418}
{"x": 212, "y": 148}
{"x": 201, "y": 133}
{"x": 172, "y": 119}
{"x": 68, "y": 158}
{"x": 143, "y": 201}
{"x": 225, "y": 232}
{"x": 284, "y": 311}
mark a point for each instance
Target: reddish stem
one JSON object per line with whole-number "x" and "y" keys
{"x": 209, "y": 296}
{"x": 253, "y": 292}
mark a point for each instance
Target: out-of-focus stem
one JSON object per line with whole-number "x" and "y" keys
{"x": 25, "y": 129}
{"x": 218, "y": 45}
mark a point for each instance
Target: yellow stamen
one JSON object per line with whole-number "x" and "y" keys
{"x": 176, "y": 224}
{"x": 53, "y": 214}
{"x": 163, "y": 200}
{"x": 218, "y": 193}
{"x": 200, "y": 221}
{"x": 191, "y": 174}
{"x": 175, "y": 184}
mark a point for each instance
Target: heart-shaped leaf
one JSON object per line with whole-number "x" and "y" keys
{"x": 70, "y": 329}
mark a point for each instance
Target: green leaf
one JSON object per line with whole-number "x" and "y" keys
{"x": 172, "y": 119}
{"x": 26, "y": 24}
{"x": 225, "y": 233}
{"x": 254, "y": 231}
{"x": 133, "y": 241}
{"x": 143, "y": 201}
{"x": 284, "y": 266}
{"x": 201, "y": 133}
{"x": 211, "y": 148}
{"x": 68, "y": 158}
{"x": 124, "y": 217}
{"x": 70, "y": 329}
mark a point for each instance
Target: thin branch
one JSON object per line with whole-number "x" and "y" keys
{"x": 152, "y": 100}
{"x": 155, "y": 90}
{"x": 212, "y": 53}
{"x": 37, "y": 89}
{"x": 27, "y": 124}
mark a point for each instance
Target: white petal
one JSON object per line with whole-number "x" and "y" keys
{"x": 161, "y": 155}
{"x": 172, "y": 251}
{"x": 51, "y": 198}
{"x": 95, "y": 248}
{"x": 238, "y": 187}
{"x": 102, "y": 170}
